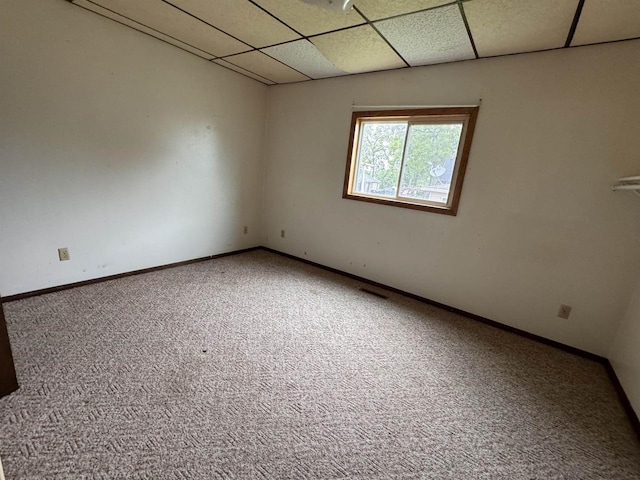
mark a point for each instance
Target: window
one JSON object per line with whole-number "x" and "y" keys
{"x": 410, "y": 158}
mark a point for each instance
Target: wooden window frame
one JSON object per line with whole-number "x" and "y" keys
{"x": 469, "y": 116}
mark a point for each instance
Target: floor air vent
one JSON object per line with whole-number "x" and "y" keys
{"x": 375, "y": 294}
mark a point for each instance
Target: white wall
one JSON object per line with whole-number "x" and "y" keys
{"x": 537, "y": 225}
{"x": 130, "y": 152}
{"x": 625, "y": 351}
{"x": 134, "y": 154}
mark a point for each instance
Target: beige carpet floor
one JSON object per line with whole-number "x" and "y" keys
{"x": 256, "y": 366}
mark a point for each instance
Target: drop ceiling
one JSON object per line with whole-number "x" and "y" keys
{"x": 285, "y": 41}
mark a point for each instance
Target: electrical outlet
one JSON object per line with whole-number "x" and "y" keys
{"x": 282, "y": 233}
{"x": 564, "y": 311}
{"x": 63, "y": 254}
{"x": 246, "y": 229}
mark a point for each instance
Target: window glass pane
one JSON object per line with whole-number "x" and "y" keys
{"x": 430, "y": 161}
{"x": 379, "y": 158}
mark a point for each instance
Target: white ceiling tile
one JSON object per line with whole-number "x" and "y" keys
{"x": 310, "y": 19}
{"x": 357, "y": 50}
{"x": 305, "y": 57}
{"x": 267, "y": 67}
{"x": 130, "y": 23}
{"x": 500, "y": 27}
{"x": 434, "y": 36}
{"x": 240, "y": 18}
{"x": 378, "y": 9}
{"x": 235, "y": 68}
{"x": 160, "y": 16}
{"x": 608, "y": 20}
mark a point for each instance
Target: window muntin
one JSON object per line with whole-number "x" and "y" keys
{"x": 410, "y": 158}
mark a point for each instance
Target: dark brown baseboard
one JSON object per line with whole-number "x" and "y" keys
{"x": 20, "y": 296}
{"x": 628, "y": 408}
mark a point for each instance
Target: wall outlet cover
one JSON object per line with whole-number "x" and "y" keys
{"x": 63, "y": 254}
{"x": 564, "y": 311}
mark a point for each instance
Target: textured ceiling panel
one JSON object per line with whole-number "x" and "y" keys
{"x": 357, "y": 50}
{"x": 422, "y": 32}
{"x": 235, "y": 68}
{"x": 241, "y": 19}
{"x": 377, "y": 9}
{"x": 434, "y": 36}
{"x": 305, "y": 57}
{"x": 501, "y": 27}
{"x": 266, "y": 67}
{"x": 608, "y": 20}
{"x": 114, "y": 16}
{"x": 170, "y": 21}
{"x": 310, "y": 19}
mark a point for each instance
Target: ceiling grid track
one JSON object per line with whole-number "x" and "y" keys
{"x": 574, "y": 24}
{"x": 294, "y": 41}
{"x": 240, "y": 70}
{"x": 206, "y": 23}
{"x": 466, "y": 25}
{"x": 249, "y": 74}
{"x": 370, "y": 23}
{"x": 278, "y": 19}
{"x": 227, "y": 59}
{"x": 145, "y": 26}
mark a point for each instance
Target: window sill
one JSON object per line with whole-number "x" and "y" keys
{"x": 444, "y": 210}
